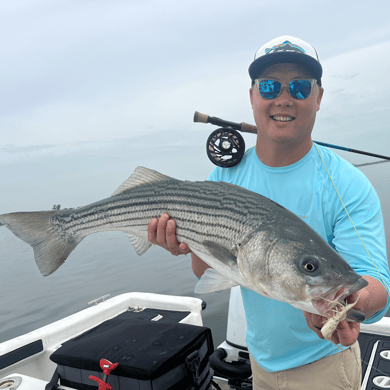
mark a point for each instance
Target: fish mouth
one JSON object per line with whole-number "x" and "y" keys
{"x": 326, "y": 302}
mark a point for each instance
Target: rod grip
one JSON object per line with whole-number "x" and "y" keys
{"x": 199, "y": 117}
{"x": 244, "y": 127}
{"x": 247, "y": 128}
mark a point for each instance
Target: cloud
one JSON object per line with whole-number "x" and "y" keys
{"x": 92, "y": 74}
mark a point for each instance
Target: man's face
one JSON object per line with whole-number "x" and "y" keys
{"x": 285, "y": 119}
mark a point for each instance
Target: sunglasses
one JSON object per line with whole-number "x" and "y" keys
{"x": 298, "y": 89}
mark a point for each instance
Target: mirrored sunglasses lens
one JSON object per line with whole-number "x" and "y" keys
{"x": 300, "y": 89}
{"x": 269, "y": 89}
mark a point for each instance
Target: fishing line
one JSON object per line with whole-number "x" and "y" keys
{"x": 245, "y": 127}
{"x": 371, "y": 163}
{"x": 361, "y": 240}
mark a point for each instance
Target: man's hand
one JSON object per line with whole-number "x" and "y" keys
{"x": 371, "y": 299}
{"x": 345, "y": 334}
{"x": 162, "y": 232}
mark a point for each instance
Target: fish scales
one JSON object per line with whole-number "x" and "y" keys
{"x": 132, "y": 210}
{"x": 247, "y": 239}
{"x": 160, "y": 203}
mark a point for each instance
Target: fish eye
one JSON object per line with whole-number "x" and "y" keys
{"x": 309, "y": 265}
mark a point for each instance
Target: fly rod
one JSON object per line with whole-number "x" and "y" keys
{"x": 247, "y": 128}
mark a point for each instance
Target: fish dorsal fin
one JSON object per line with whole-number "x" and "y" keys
{"x": 139, "y": 177}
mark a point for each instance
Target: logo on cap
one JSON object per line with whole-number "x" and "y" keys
{"x": 285, "y": 46}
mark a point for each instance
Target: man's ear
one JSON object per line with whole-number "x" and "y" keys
{"x": 319, "y": 97}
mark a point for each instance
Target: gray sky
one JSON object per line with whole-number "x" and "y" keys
{"x": 92, "y": 89}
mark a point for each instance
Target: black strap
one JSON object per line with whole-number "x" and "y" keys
{"x": 53, "y": 384}
{"x": 193, "y": 364}
{"x": 201, "y": 380}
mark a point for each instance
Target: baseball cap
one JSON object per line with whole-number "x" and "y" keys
{"x": 286, "y": 49}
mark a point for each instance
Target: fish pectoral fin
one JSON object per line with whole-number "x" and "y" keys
{"x": 140, "y": 245}
{"x": 219, "y": 252}
{"x": 212, "y": 281}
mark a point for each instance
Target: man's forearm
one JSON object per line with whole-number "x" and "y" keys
{"x": 375, "y": 298}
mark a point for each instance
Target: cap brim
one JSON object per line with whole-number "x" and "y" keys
{"x": 263, "y": 62}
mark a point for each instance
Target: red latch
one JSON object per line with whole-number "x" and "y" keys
{"x": 102, "y": 385}
{"x": 107, "y": 367}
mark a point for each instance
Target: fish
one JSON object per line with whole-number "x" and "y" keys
{"x": 247, "y": 239}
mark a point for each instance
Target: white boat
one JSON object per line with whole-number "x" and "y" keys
{"x": 25, "y": 360}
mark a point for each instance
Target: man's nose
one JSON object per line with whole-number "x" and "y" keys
{"x": 284, "y": 97}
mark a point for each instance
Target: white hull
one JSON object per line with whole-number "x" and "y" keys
{"x": 27, "y": 358}
{"x": 37, "y": 370}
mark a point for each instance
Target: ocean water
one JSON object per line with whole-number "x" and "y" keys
{"x": 105, "y": 263}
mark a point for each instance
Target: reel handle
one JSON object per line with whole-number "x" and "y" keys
{"x": 244, "y": 127}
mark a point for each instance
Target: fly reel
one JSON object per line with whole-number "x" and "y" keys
{"x": 225, "y": 147}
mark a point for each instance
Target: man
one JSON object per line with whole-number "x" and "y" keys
{"x": 286, "y": 346}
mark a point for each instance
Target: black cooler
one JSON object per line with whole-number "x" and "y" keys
{"x": 151, "y": 355}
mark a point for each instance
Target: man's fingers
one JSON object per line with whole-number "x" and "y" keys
{"x": 171, "y": 233}
{"x": 346, "y": 333}
{"x": 172, "y": 243}
{"x": 161, "y": 230}
{"x": 184, "y": 248}
{"x": 152, "y": 230}
{"x": 314, "y": 322}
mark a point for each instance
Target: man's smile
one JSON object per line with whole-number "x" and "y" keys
{"x": 282, "y": 118}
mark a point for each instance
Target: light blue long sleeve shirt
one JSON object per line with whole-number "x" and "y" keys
{"x": 277, "y": 334}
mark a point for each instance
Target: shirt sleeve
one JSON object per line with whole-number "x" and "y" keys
{"x": 359, "y": 236}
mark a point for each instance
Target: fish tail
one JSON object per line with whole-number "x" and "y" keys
{"x": 50, "y": 248}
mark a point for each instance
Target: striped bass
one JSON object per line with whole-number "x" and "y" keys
{"x": 246, "y": 238}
